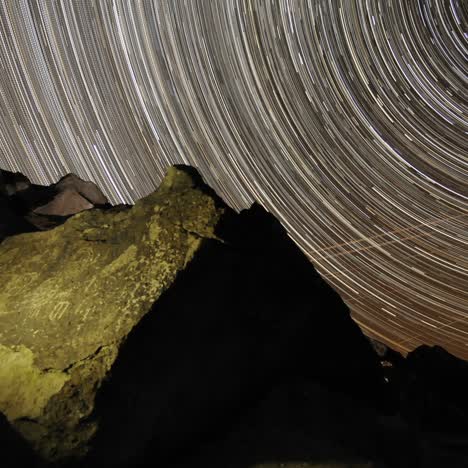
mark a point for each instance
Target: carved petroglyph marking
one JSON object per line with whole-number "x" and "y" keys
{"x": 19, "y": 283}
{"x": 90, "y": 311}
{"x": 59, "y": 310}
{"x": 90, "y": 285}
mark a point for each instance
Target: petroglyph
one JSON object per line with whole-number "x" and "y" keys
{"x": 19, "y": 283}
{"x": 59, "y": 310}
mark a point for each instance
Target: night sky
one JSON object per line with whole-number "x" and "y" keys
{"x": 347, "y": 119}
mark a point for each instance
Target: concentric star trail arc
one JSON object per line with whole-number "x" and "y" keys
{"x": 344, "y": 118}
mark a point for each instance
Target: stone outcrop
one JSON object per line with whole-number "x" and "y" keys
{"x": 86, "y": 189}
{"x": 13, "y": 182}
{"x": 67, "y": 305}
{"x": 434, "y": 388}
{"x": 65, "y": 203}
{"x": 72, "y": 196}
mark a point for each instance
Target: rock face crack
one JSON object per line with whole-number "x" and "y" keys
{"x": 199, "y": 235}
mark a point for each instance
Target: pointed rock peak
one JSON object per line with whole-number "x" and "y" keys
{"x": 254, "y": 226}
{"x": 181, "y": 177}
{"x": 67, "y": 202}
{"x": 68, "y": 178}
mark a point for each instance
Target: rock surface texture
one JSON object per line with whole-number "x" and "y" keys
{"x": 178, "y": 333}
{"x": 72, "y": 294}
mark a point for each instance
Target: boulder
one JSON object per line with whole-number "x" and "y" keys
{"x": 72, "y": 195}
{"x": 65, "y": 203}
{"x": 86, "y": 189}
{"x": 434, "y": 389}
{"x": 67, "y": 306}
{"x": 137, "y": 332}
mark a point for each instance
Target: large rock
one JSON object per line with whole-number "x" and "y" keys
{"x": 72, "y": 195}
{"x": 248, "y": 311}
{"x": 71, "y": 295}
{"x": 65, "y": 203}
{"x": 86, "y": 189}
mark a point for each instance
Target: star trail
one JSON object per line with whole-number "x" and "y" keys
{"x": 344, "y": 118}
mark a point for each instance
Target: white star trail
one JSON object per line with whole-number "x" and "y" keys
{"x": 347, "y": 119}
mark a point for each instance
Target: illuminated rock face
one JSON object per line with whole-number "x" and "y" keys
{"x": 70, "y": 296}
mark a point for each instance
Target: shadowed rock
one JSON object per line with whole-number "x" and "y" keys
{"x": 15, "y": 452}
{"x": 12, "y": 182}
{"x": 434, "y": 390}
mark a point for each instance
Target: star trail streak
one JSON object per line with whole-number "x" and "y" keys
{"x": 345, "y": 118}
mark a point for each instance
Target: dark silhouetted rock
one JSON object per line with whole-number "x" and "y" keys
{"x": 15, "y": 452}
{"x": 11, "y": 223}
{"x": 12, "y": 182}
{"x": 434, "y": 390}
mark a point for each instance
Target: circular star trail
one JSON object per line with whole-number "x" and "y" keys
{"x": 345, "y": 118}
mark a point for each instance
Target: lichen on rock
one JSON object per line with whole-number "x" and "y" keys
{"x": 25, "y": 389}
{"x": 71, "y": 295}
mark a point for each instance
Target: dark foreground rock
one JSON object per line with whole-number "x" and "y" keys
{"x": 177, "y": 333}
{"x": 14, "y": 450}
{"x": 434, "y": 390}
